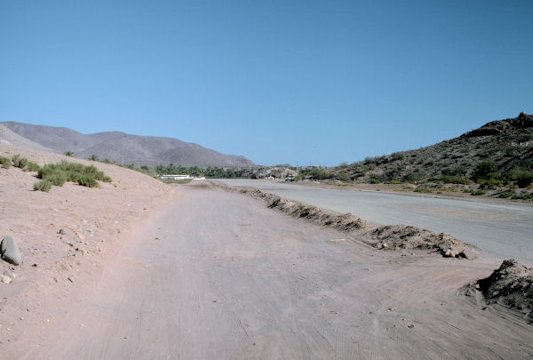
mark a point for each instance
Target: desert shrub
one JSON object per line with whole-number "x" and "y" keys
{"x": 64, "y": 171}
{"x": 375, "y": 179}
{"x": 457, "y": 170}
{"x": 485, "y": 170}
{"x": 523, "y": 196}
{"x": 506, "y": 194}
{"x": 397, "y": 156}
{"x": 31, "y": 166}
{"x": 43, "y": 185}
{"x": 413, "y": 177}
{"x": 93, "y": 157}
{"x": 52, "y": 173}
{"x": 317, "y": 173}
{"x": 477, "y": 192}
{"x": 69, "y": 153}
{"x": 88, "y": 181}
{"x": 19, "y": 162}
{"x": 343, "y": 177}
{"x": 521, "y": 177}
{"x": 490, "y": 183}
{"x": 510, "y": 151}
{"x": 525, "y": 180}
{"x": 5, "y": 162}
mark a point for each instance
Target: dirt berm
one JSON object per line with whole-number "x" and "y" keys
{"x": 387, "y": 237}
{"x": 511, "y": 286}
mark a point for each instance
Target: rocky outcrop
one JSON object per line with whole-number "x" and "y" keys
{"x": 10, "y": 251}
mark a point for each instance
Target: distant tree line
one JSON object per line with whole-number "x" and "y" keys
{"x": 209, "y": 172}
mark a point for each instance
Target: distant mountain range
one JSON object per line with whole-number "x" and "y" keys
{"x": 125, "y": 148}
{"x": 507, "y": 143}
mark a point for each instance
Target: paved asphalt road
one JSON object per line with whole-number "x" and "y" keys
{"x": 500, "y": 229}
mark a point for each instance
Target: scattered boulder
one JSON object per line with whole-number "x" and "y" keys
{"x": 10, "y": 251}
{"x": 511, "y": 286}
{"x": 410, "y": 237}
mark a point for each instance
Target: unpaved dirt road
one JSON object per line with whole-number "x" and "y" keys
{"x": 218, "y": 276}
{"x": 502, "y": 230}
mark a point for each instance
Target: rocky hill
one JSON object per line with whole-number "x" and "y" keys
{"x": 500, "y": 150}
{"x": 124, "y": 148}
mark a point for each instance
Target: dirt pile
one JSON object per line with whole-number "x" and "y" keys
{"x": 396, "y": 237}
{"x": 511, "y": 286}
{"x": 388, "y": 237}
{"x": 343, "y": 222}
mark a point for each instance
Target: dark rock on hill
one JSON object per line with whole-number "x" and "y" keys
{"x": 124, "y": 148}
{"x": 508, "y": 144}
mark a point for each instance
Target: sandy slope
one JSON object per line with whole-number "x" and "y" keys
{"x": 66, "y": 237}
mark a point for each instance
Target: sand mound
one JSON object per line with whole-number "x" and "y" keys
{"x": 343, "y": 222}
{"x": 511, "y": 285}
{"x": 397, "y": 237}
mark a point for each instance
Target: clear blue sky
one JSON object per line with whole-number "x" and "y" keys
{"x": 300, "y": 82}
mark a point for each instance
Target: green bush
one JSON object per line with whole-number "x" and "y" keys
{"x": 414, "y": 177}
{"x": 31, "y": 166}
{"x": 64, "y": 171}
{"x": 43, "y": 185}
{"x": 397, "y": 156}
{"x": 485, "y": 170}
{"x": 375, "y": 179}
{"x": 5, "y": 162}
{"x": 85, "y": 180}
{"x": 490, "y": 183}
{"x": 52, "y": 173}
{"x": 506, "y": 194}
{"x": 521, "y": 177}
{"x": 69, "y": 153}
{"x": 19, "y": 162}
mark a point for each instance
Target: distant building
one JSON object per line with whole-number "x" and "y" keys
{"x": 175, "y": 177}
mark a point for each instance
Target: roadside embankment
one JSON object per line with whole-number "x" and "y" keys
{"x": 384, "y": 237}
{"x": 510, "y": 286}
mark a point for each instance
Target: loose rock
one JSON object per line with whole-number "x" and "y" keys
{"x": 10, "y": 251}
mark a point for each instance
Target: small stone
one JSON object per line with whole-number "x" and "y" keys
{"x": 5, "y": 279}
{"x": 10, "y": 251}
{"x": 411, "y": 326}
{"x": 61, "y": 232}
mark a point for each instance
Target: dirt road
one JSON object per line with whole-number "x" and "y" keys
{"x": 218, "y": 276}
{"x": 501, "y": 229}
